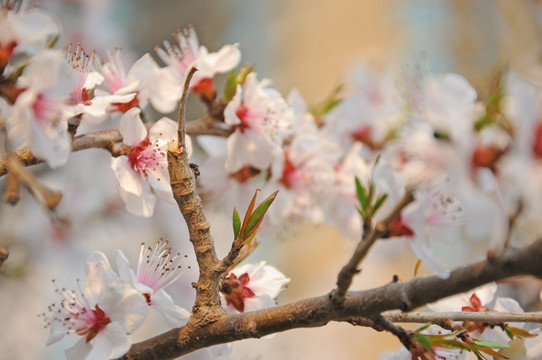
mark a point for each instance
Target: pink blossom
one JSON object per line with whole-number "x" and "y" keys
{"x": 103, "y": 315}
{"x": 143, "y": 175}
{"x": 252, "y": 287}
{"x": 157, "y": 269}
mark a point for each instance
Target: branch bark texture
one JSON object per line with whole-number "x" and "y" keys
{"x": 318, "y": 311}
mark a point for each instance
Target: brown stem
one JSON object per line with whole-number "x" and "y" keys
{"x": 106, "y": 140}
{"x": 11, "y": 190}
{"x": 3, "y": 256}
{"x": 207, "y": 306}
{"x": 320, "y": 310}
{"x": 344, "y": 279}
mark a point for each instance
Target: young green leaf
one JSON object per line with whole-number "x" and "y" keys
{"x": 422, "y": 328}
{"x": 248, "y": 213}
{"x": 489, "y": 344}
{"x": 379, "y": 202}
{"x": 360, "y": 189}
{"x": 424, "y": 341}
{"x": 257, "y": 216}
{"x": 236, "y": 223}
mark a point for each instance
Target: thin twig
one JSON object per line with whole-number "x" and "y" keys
{"x": 181, "y": 118}
{"x": 3, "y": 256}
{"x": 344, "y": 279}
{"x": 106, "y": 140}
{"x": 446, "y": 319}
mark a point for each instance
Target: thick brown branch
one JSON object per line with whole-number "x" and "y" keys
{"x": 344, "y": 279}
{"x": 319, "y": 311}
{"x": 207, "y": 306}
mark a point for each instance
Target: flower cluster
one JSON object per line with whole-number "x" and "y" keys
{"x": 112, "y": 305}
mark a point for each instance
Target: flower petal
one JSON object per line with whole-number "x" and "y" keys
{"x": 174, "y": 315}
{"x": 131, "y": 128}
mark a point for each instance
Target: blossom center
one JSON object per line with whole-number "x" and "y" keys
{"x": 145, "y": 156}
{"x": 46, "y": 110}
{"x": 237, "y": 291}
{"x": 96, "y": 321}
{"x": 537, "y": 141}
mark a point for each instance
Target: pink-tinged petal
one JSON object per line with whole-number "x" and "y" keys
{"x": 131, "y": 127}
{"x": 266, "y": 279}
{"x": 163, "y": 90}
{"x": 129, "y": 181}
{"x": 174, "y": 315}
{"x": 165, "y": 129}
{"x": 225, "y": 59}
{"x": 456, "y": 302}
{"x": 99, "y": 275}
{"x": 486, "y": 293}
{"x": 140, "y": 205}
{"x": 230, "y": 112}
{"x": 111, "y": 343}
{"x": 250, "y": 149}
{"x": 214, "y": 146}
{"x": 51, "y": 143}
{"x": 159, "y": 181}
{"x": 124, "y": 305}
{"x": 79, "y": 351}
{"x": 141, "y": 68}
{"x": 35, "y": 27}
{"x": 93, "y": 78}
{"x": 263, "y": 301}
{"x": 421, "y": 249}
{"x": 125, "y": 271}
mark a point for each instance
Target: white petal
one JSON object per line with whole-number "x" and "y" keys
{"x": 123, "y": 266}
{"x": 131, "y": 127}
{"x": 421, "y": 249}
{"x": 263, "y": 301}
{"x": 174, "y": 315}
{"x": 226, "y": 58}
{"x": 111, "y": 343}
{"x": 159, "y": 181}
{"x": 79, "y": 351}
{"x": 140, "y": 205}
{"x": 51, "y": 143}
{"x": 164, "y": 90}
{"x": 128, "y": 179}
{"x": 266, "y": 279}
{"x": 124, "y": 305}
{"x": 165, "y": 128}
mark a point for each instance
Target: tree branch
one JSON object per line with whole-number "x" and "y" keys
{"x": 207, "y": 306}
{"x": 315, "y": 312}
{"x": 106, "y": 140}
{"x": 344, "y": 279}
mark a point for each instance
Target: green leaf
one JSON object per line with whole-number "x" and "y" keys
{"x": 248, "y": 213}
{"x": 489, "y": 344}
{"x": 422, "y": 328}
{"x": 372, "y": 191}
{"x": 509, "y": 332}
{"x": 424, "y": 341}
{"x": 328, "y": 104}
{"x": 235, "y": 78}
{"x": 236, "y": 223}
{"x": 379, "y": 202}
{"x": 360, "y": 189}
{"x": 257, "y": 216}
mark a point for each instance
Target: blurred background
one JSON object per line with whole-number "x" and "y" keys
{"x": 304, "y": 44}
